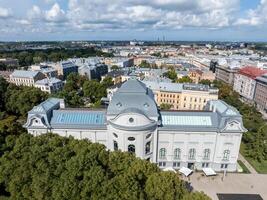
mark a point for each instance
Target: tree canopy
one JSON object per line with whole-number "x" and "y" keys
{"x": 171, "y": 74}
{"x": 185, "y": 79}
{"x": 54, "y": 167}
{"x": 29, "y": 57}
{"x": 19, "y": 100}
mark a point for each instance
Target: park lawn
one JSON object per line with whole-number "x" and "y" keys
{"x": 260, "y": 167}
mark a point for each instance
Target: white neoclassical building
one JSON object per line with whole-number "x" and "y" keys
{"x": 132, "y": 122}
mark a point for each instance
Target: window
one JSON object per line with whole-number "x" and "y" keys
{"x": 224, "y": 166}
{"x": 162, "y": 153}
{"x": 162, "y": 164}
{"x": 131, "y": 148}
{"x": 206, "y": 154}
{"x": 148, "y": 144}
{"x": 205, "y": 165}
{"x": 115, "y": 144}
{"x": 177, "y": 153}
{"x": 115, "y": 135}
{"x": 131, "y": 138}
{"x": 131, "y": 120}
{"x": 226, "y": 155}
{"x": 148, "y": 136}
{"x": 176, "y": 164}
{"x": 192, "y": 154}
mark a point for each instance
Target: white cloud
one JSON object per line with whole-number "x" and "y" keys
{"x": 256, "y": 16}
{"x": 55, "y": 14}
{"x": 5, "y": 13}
{"x": 23, "y": 22}
{"x": 170, "y": 14}
{"x": 34, "y": 13}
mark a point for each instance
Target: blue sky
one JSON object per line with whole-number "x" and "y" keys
{"x": 222, "y": 20}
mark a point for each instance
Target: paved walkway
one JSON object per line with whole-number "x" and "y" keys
{"x": 232, "y": 183}
{"x": 247, "y": 164}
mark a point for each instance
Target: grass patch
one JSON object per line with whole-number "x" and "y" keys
{"x": 243, "y": 166}
{"x": 260, "y": 167}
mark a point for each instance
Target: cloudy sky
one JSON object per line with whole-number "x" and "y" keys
{"x": 224, "y": 20}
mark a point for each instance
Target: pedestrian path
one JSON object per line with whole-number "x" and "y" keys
{"x": 247, "y": 164}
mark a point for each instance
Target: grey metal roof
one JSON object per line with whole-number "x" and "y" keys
{"x": 223, "y": 108}
{"x": 24, "y": 74}
{"x": 133, "y": 94}
{"x": 189, "y": 121}
{"x": 48, "y": 81}
{"x": 46, "y": 106}
{"x": 78, "y": 119}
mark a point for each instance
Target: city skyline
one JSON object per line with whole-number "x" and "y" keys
{"x": 209, "y": 20}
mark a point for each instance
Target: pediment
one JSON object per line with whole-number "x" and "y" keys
{"x": 233, "y": 125}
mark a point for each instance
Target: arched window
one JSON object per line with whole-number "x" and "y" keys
{"x": 162, "y": 153}
{"x": 115, "y": 144}
{"x": 115, "y": 135}
{"x": 148, "y": 144}
{"x": 206, "y": 154}
{"x": 192, "y": 154}
{"x": 131, "y": 148}
{"x": 226, "y": 155}
{"x": 177, "y": 153}
{"x": 148, "y": 136}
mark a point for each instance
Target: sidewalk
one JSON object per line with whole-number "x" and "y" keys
{"x": 247, "y": 164}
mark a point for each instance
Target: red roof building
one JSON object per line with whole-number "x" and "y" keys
{"x": 252, "y": 72}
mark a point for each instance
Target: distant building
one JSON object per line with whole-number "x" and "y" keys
{"x": 10, "y": 62}
{"x": 121, "y": 62}
{"x": 116, "y": 76}
{"x": 132, "y": 123}
{"x": 25, "y": 78}
{"x": 179, "y": 96}
{"x": 5, "y": 75}
{"x": 261, "y": 92}
{"x": 93, "y": 71}
{"x": 46, "y": 69}
{"x": 245, "y": 82}
{"x": 182, "y": 96}
{"x": 225, "y": 74}
{"x": 50, "y": 85}
{"x": 65, "y": 68}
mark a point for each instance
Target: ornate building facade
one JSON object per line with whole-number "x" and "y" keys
{"x": 133, "y": 122}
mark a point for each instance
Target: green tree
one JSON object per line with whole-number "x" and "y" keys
{"x": 114, "y": 67}
{"x": 144, "y": 64}
{"x": 205, "y": 82}
{"x": 3, "y": 89}
{"x": 93, "y": 90}
{"x": 184, "y": 79}
{"x": 53, "y": 167}
{"x": 165, "y": 106}
{"x": 171, "y": 74}
{"x": 164, "y": 185}
{"x": 19, "y": 100}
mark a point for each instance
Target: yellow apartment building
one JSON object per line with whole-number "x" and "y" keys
{"x": 182, "y": 96}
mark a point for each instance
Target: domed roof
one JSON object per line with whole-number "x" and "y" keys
{"x": 133, "y": 94}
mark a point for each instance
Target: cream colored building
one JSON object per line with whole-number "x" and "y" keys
{"x": 182, "y": 96}
{"x": 25, "y": 78}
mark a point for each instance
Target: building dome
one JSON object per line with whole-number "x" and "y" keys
{"x": 133, "y": 94}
